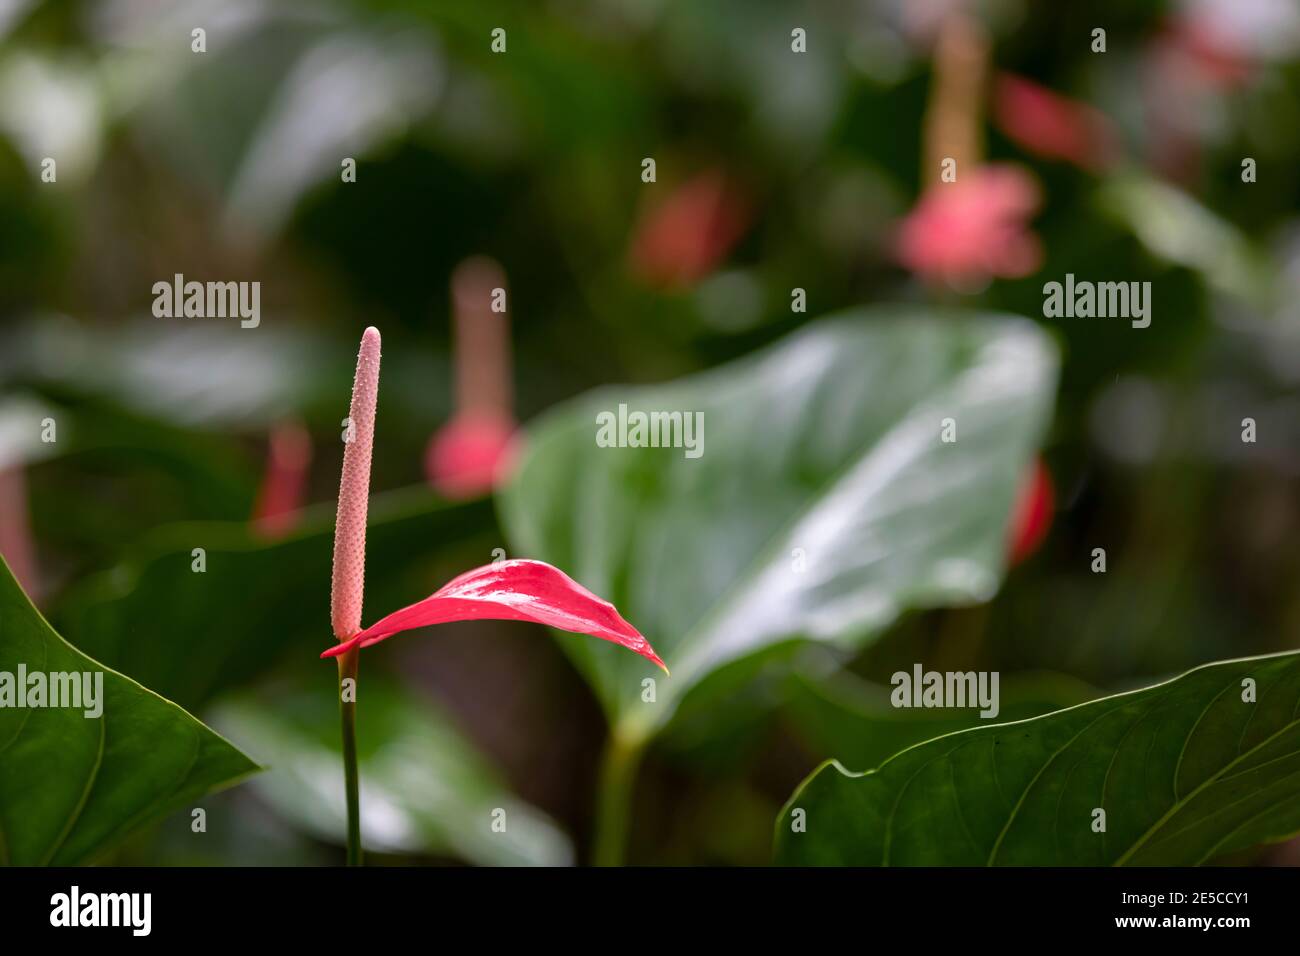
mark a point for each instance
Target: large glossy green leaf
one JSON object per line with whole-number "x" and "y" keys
{"x": 191, "y": 634}
{"x": 72, "y": 786}
{"x": 424, "y": 787}
{"x": 853, "y": 721}
{"x": 824, "y": 503}
{"x": 1185, "y": 771}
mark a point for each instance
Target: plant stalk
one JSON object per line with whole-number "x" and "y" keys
{"x": 618, "y": 769}
{"x": 348, "y": 714}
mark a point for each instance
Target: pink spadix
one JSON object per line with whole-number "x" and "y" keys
{"x": 518, "y": 590}
{"x": 348, "y": 580}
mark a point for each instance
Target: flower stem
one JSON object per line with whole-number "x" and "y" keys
{"x": 618, "y": 768}
{"x": 348, "y": 713}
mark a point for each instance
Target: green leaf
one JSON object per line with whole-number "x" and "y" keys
{"x": 145, "y": 473}
{"x": 1185, "y": 771}
{"x": 1175, "y": 227}
{"x": 195, "y": 376}
{"x": 72, "y": 786}
{"x": 424, "y": 787}
{"x": 853, "y": 721}
{"x": 192, "y": 634}
{"x": 824, "y": 449}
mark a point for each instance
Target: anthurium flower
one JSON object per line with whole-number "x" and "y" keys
{"x": 517, "y": 590}
{"x": 976, "y": 228}
{"x": 473, "y": 451}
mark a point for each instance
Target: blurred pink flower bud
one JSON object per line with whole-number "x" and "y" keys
{"x": 471, "y": 454}
{"x": 963, "y": 233}
{"x": 284, "y": 482}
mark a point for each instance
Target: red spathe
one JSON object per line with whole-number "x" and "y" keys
{"x": 517, "y": 590}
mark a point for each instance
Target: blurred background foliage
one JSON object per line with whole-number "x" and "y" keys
{"x": 774, "y": 171}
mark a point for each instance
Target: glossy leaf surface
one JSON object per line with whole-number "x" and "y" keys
{"x": 73, "y": 786}
{"x": 823, "y": 503}
{"x": 848, "y": 719}
{"x": 1185, "y": 771}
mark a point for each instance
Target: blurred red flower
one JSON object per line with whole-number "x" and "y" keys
{"x": 682, "y": 239}
{"x": 1031, "y": 518}
{"x": 1200, "y": 56}
{"x": 1053, "y": 126}
{"x": 1202, "y": 52}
